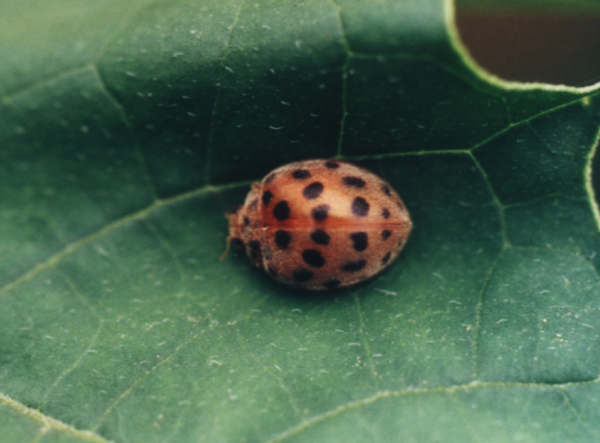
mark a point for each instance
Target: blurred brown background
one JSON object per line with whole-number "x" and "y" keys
{"x": 546, "y": 45}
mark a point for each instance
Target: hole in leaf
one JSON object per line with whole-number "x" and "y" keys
{"x": 543, "y": 44}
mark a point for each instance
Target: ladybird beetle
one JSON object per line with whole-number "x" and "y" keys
{"x": 321, "y": 224}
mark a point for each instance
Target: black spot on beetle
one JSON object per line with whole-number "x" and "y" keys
{"x": 246, "y": 220}
{"x": 320, "y": 212}
{"x": 302, "y": 275}
{"x": 270, "y": 178}
{"x": 385, "y": 213}
{"x": 282, "y": 239}
{"x": 331, "y": 164}
{"x": 386, "y": 258}
{"x": 354, "y": 266}
{"x": 320, "y": 237}
{"x": 301, "y": 174}
{"x": 266, "y": 197}
{"x": 386, "y": 190}
{"x": 332, "y": 283}
{"x": 360, "y": 207}
{"x": 313, "y": 190}
{"x": 354, "y": 182}
{"x": 313, "y": 258}
{"x": 281, "y": 211}
{"x": 385, "y": 234}
{"x": 360, "y": 240}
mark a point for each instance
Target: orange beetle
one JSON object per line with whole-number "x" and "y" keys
{"x": 321, "y": 224}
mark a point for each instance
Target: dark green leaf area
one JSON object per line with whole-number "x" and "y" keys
{"x": 544, "y": 157}
{"x": 112, "y": 312}
{"x": 539, "y": 318}
{"x": 243, "y": 86}
{"x": 555, "y": 222}
{"x": 118, "y": 320}
{"x": 184, "y": 42}
{"x": 393, "y": 27}
{"x": 64, "y": 174}
{"x": 402, "y": 123}
{"x": 281, "y": 89}
{"x": 456, "y": 238}
{"x": 137, "y": 311}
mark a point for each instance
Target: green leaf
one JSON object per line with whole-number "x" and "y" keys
{"x": 123, "y": 124}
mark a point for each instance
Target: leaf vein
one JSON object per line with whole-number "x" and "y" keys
{"x": 367, "y": 401}
{"x": 127, "y": 122}
{"x": 479, "y": 307}
{"x": 576, "y": 412}
{"x": 292, "y": 401}
{"x": 126, "y": 393}
{"x": 92, "y": 342}
{"x": 344, "y": 72}
{"x": 211, "y": 130}
{"x": 366, "y": 342}
{"x": 139, "y": 215}
{"x": 50, "y": 423}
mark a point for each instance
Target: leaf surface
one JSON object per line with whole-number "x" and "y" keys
{"x": 123, "y": 124}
